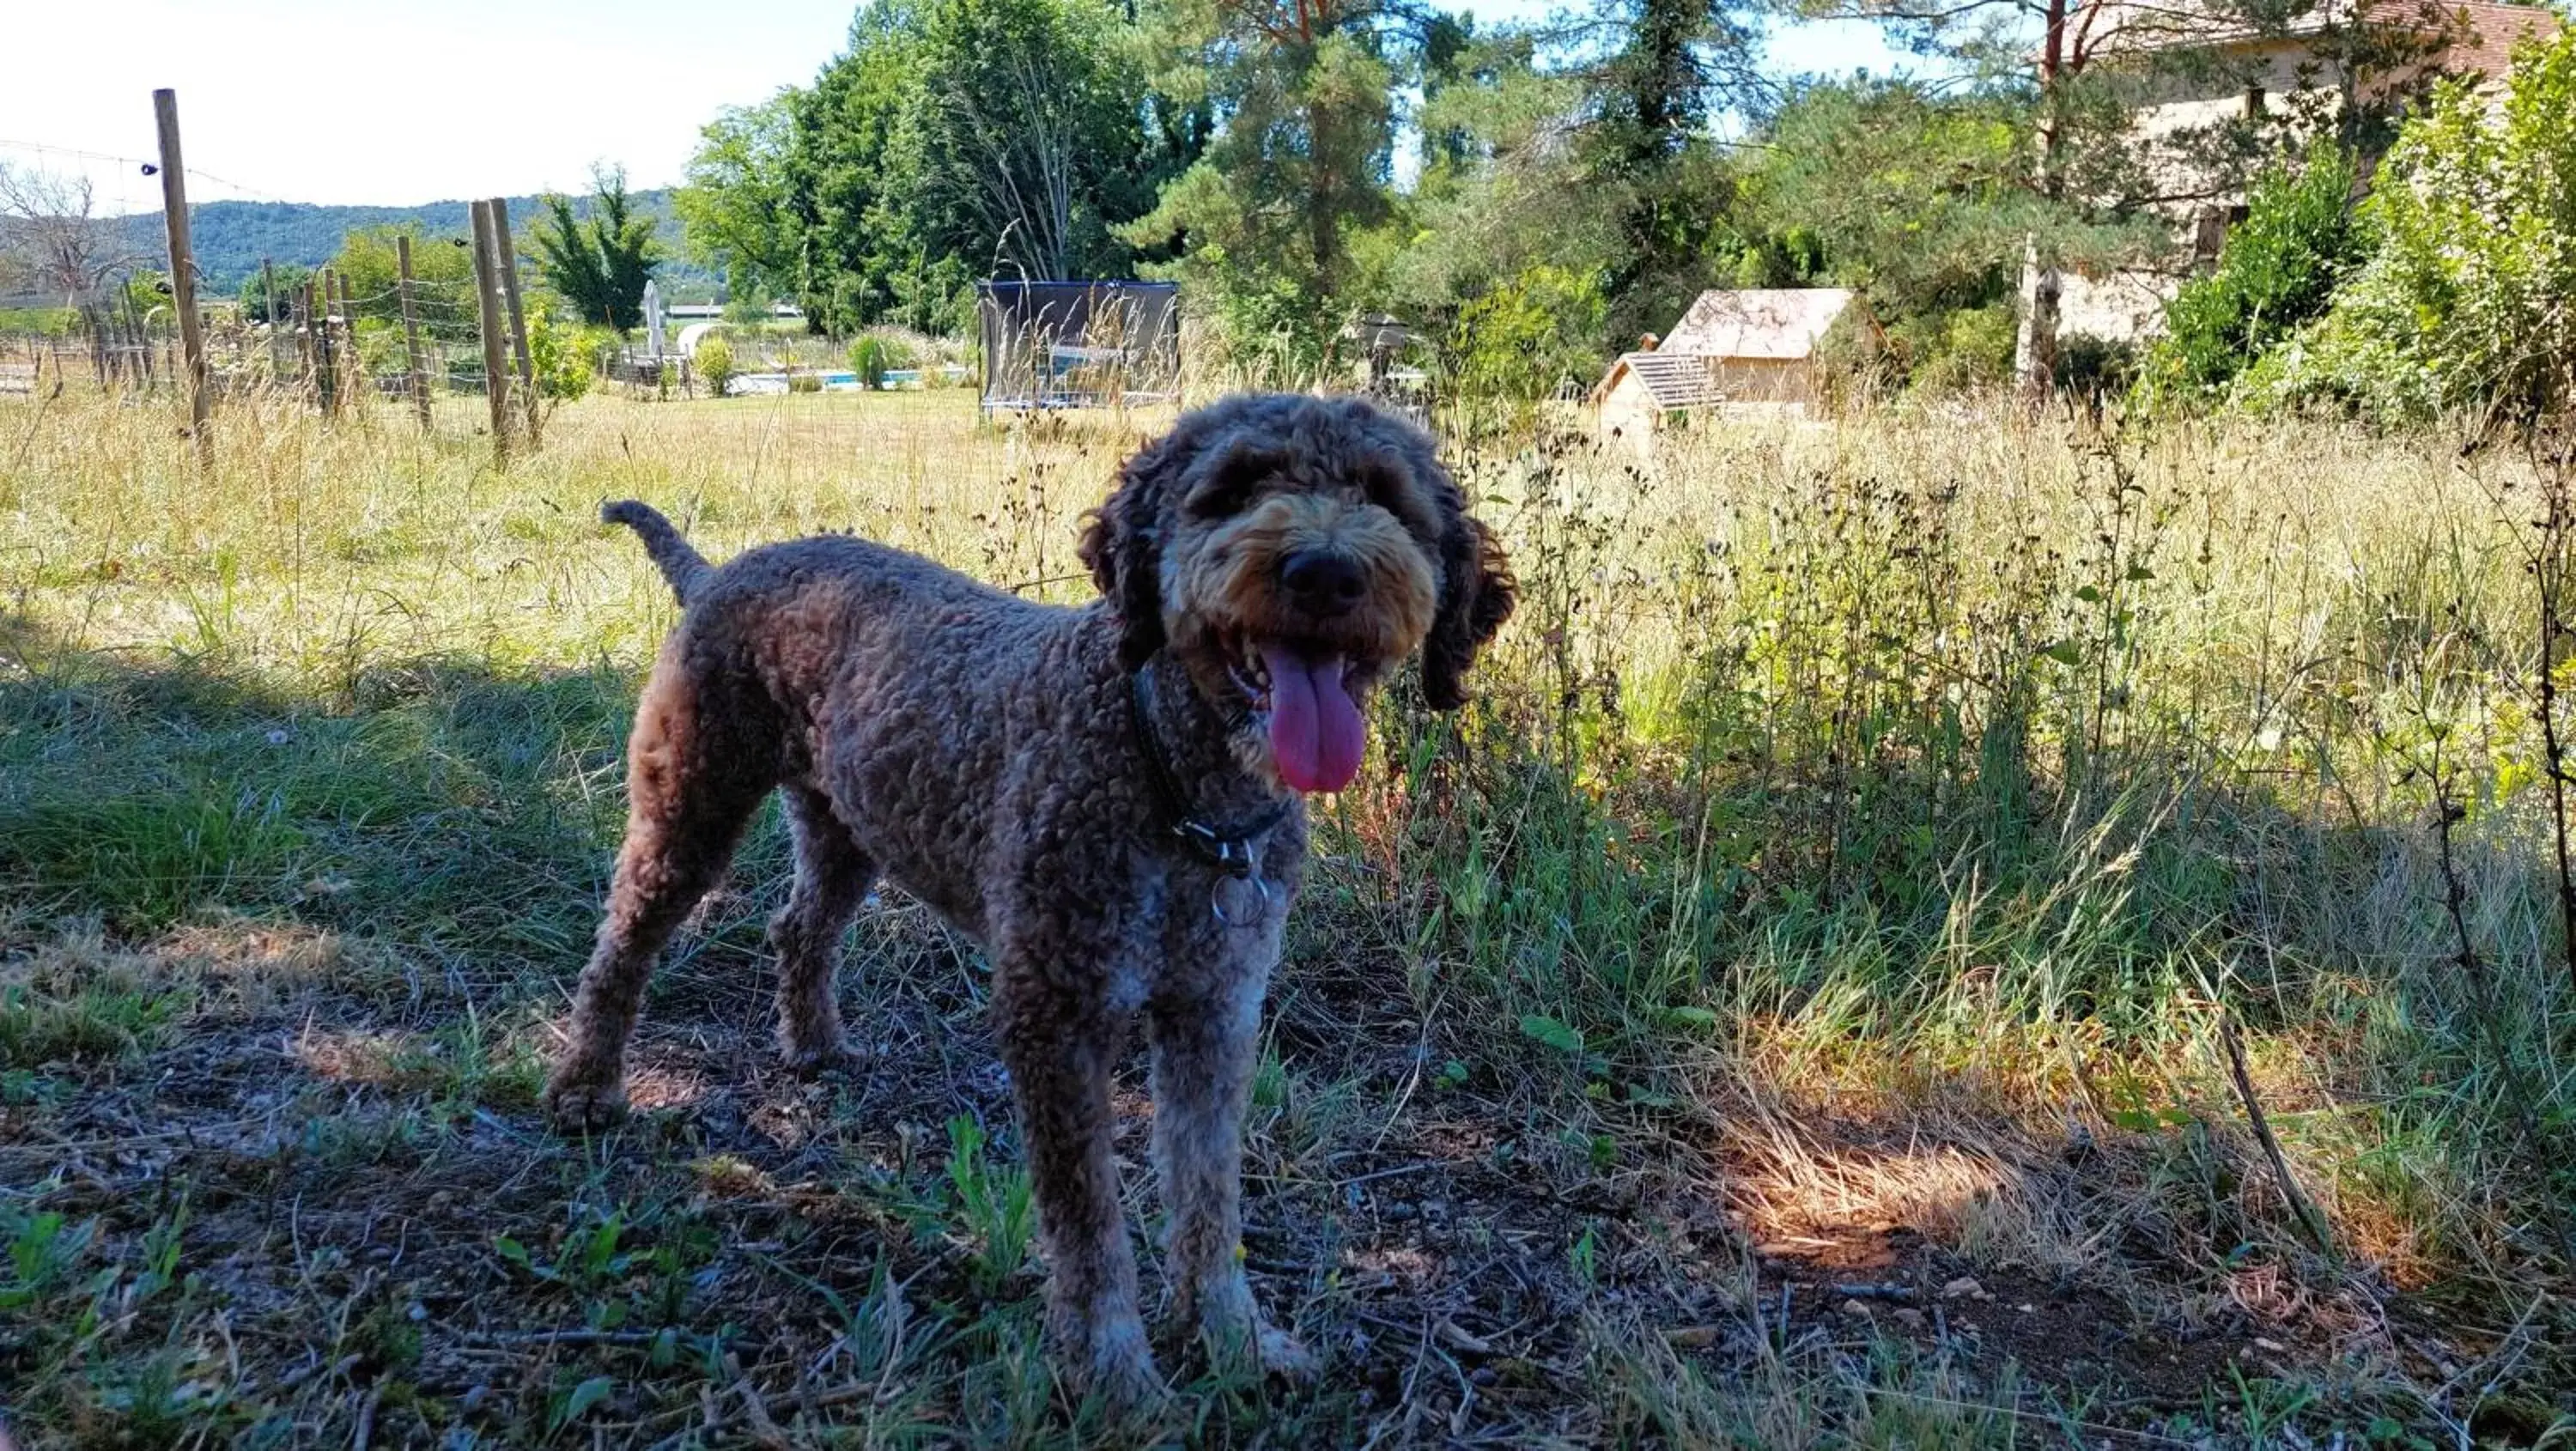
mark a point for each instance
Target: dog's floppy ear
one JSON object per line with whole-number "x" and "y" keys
{"x": 1476, "y": 596}
{"x": 1122, "y": 546}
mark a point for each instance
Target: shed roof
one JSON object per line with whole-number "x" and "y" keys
{"x": 1782, "y": 323}
{"x": 1673, "y": 380}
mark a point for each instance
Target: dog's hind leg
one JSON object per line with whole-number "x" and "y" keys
{"x": 693, "y": 780}
{"x": 832, "y": 879}
{"x": 1205, "y": 1045}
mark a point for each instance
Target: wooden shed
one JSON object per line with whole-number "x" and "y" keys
{"x": 1753, "y": 348}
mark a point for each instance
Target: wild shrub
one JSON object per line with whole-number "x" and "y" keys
{"x": 1965, "y": 349}
{"x": 875, "y": 354}
{"x": 564, "y": 358}
{"x": 2280, "y": 268}
{"x": 715, "y": 364}
{"x": 2470, "y": 300}
{"x": 1515, "y": 344}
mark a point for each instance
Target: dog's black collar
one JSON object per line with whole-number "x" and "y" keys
{"x": 1229, "y": 850}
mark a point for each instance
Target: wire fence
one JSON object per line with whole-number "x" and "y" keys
{"x": 87, "y": 301}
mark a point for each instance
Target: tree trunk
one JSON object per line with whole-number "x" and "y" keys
{"x": 2035, "y": 346}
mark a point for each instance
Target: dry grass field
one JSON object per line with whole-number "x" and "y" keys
{"x": 1792, "y": 1007}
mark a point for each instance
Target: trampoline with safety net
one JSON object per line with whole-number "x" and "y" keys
{"x": 1106, "y": 344}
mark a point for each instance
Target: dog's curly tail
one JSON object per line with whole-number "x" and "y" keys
{"x": 680, "y": 563}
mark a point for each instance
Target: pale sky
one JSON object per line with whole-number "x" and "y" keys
{"x": 395, "y": 102}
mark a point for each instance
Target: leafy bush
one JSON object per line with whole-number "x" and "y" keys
{"x": 715, "y": 363}
{"x": 2298, "y": 242}
{"x": 874, "y": 354}
{"x": 2095, "y": 368}
{"x": 369, "y": 261}
{"x": 564, "y": 358}
{"x": 2470, "y": 299}
{"x": 1954, "y": 351}
{"x": 1515, "y": 344}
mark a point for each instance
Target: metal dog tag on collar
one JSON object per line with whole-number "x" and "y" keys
{"x": 1216, "y": 902}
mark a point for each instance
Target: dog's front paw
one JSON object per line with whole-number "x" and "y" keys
{"x": 584, "y": 1102}
{"x": 826, "y": 1055}
{"x": 1241, "y": 1343}
{"x": 1283, "y": 1355}
{"x": 1119, "y": 1368}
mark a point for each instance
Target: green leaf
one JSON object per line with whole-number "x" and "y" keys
{"x": 1551, "y": 1032}
{"x": 585, "y": 1396}
{"x": 511, "y": 1250}
{"x": 2064, "y": 652}
{"x": 2088, "y": 594}
{"x": 1689, "y": 1016}
{"x": 2138, "y": 574}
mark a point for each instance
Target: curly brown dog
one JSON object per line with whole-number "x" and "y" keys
{"x": 1107, "y": 798}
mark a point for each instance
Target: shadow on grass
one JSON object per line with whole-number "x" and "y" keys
{"x": 439, "y": 802}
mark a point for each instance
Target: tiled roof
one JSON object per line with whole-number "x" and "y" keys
{"x": 2487, "y": 30}
{"x": 1673, "y": 380}
{"x": 2490, "y": 32}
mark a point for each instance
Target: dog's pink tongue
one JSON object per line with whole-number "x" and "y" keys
{"x": 1315, "y": 729}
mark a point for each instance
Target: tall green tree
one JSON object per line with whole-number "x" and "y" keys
{"x": 952, "y": 140}
{"x": 1505, "y": 187}
{"x": 1023, "y": 137}
{"x": 735, "y": 206}
{"x": 1916, "y": 196}
{"x": 837, "y": 184}
{"x": 598, "y": 264}
{"x": 1300, "y": 164}
{"x": 1651, "y": 150}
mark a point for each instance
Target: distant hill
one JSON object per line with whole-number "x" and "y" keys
{"x": 232, "y": 237}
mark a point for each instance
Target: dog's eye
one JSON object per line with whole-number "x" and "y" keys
{"x": 1219, "y": 497}
{"x": 1391, "y": 489}
{"x": 1231, "y": 482}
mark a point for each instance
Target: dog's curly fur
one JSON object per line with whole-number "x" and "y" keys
{"x": 980, "y": 751}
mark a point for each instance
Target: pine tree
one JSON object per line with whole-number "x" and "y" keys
{"x": 598, "y": 265}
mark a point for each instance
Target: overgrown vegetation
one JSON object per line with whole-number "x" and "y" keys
{"x": 1792, "y": 1006}
{"x": 2280, "y": 269}
{"x": 2465, "y": 304}
{"x": 1261, "y": 158}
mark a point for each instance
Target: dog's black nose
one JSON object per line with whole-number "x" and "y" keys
{"x": 1322, "y": 582}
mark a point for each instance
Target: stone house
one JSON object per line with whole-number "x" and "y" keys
{"x": 2306, "y": 71}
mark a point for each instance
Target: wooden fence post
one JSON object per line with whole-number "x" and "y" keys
{"x": 326, "y": 342}
{"x": 183, "y": 270}
{"x": 496, "y": 364}
{"x": 509, "y": 270}
{"x": 317, "y": 345}
{"x": 411, "y": 331}
{"x": 268, "y": 291}
{"x": 353, "y": 360}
